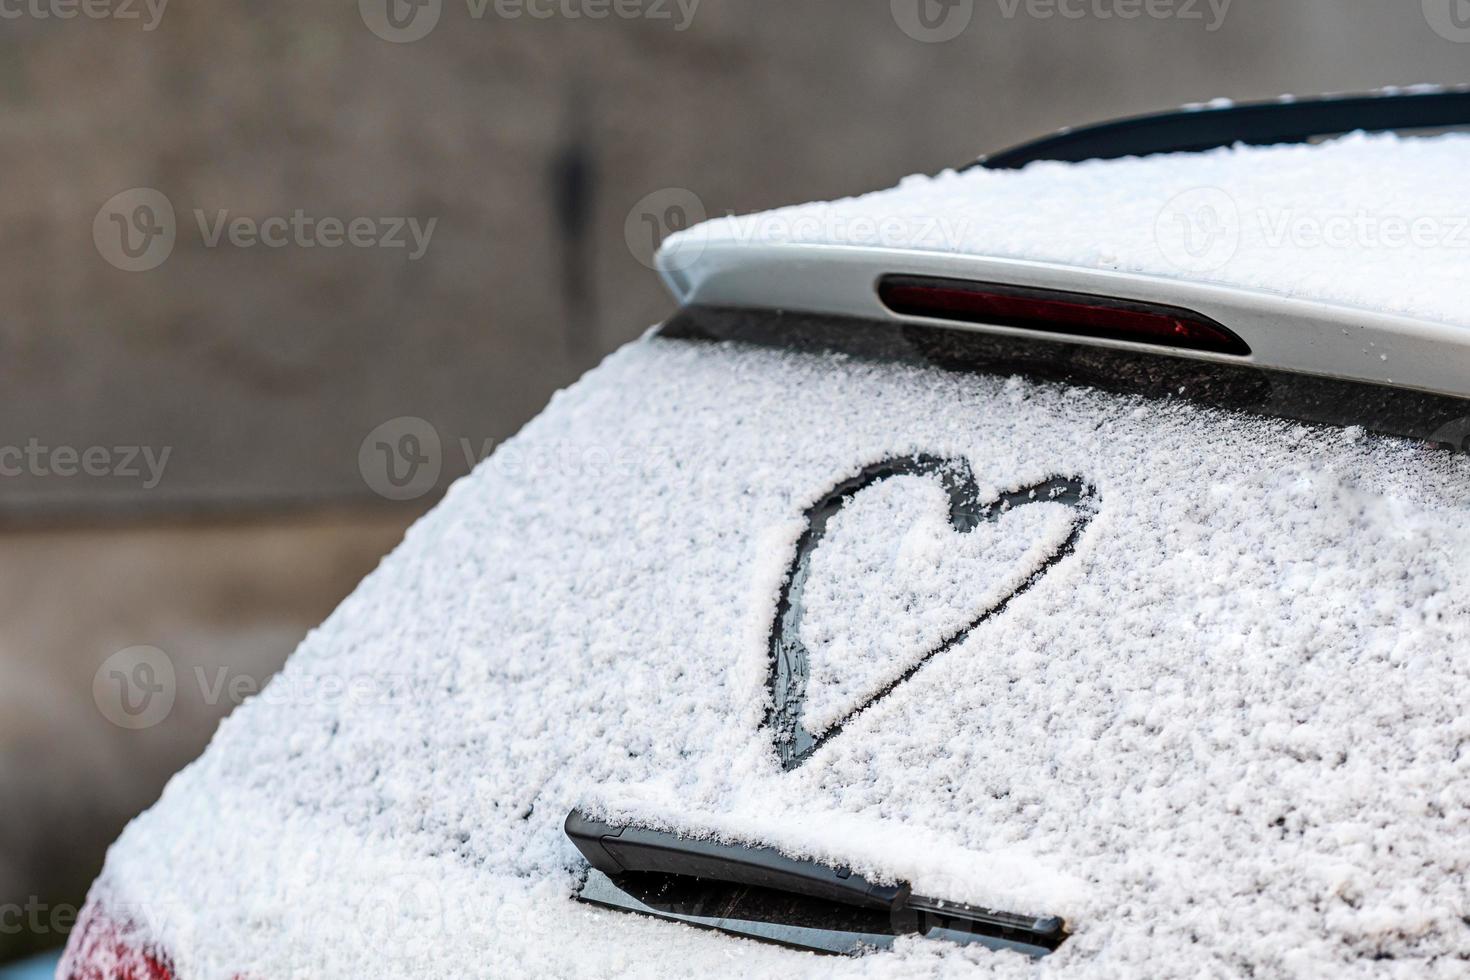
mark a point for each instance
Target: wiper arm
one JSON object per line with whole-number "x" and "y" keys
{"x": 752, "y": 890}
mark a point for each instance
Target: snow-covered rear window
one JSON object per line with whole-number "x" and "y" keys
{"x": 1224, "y": 733}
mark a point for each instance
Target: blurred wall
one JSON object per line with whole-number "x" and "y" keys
{"x": 529, "y": 141}
{"x": 155, "y": 370}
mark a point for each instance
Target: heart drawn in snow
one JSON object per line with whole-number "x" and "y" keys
{"x": 790, "y": 668}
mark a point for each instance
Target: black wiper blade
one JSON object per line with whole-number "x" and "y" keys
{"x": 742, "y": 910}
{"x": 762, "y": 894}
{"x": 618, "y": 850}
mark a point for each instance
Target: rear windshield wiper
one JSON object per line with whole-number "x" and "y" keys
{"x": 762, "y": 894}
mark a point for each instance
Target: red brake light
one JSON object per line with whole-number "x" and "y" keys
{"x": 1057, "y": 312}
{"x": 101, "y": 949}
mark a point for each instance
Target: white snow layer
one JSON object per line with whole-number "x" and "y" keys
{"x": 1376, "y": 222}
{"x": 892, "y": 580}
{"x": 1227, "y": 736}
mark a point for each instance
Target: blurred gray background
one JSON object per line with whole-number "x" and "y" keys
{"x": 203, "y": 456}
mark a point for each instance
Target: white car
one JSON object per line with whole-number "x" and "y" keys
{"x": 1046, "y": 570}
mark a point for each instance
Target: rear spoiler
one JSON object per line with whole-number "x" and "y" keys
{"x": 1142, "y": 314}
{"x": 1275, "y": 333}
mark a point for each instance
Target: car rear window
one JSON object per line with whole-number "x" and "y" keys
{"x": 1187, "y": 676}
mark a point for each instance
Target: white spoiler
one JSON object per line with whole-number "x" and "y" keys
{"x": 1282, "y": 333}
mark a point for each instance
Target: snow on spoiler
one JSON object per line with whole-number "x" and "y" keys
{"x": 1280, "y": 333}
{"x": 1216, "y": 232}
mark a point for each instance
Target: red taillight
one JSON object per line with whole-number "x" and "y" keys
{"x": 1057, "y": 312}
{"x": 100, "y": 948}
